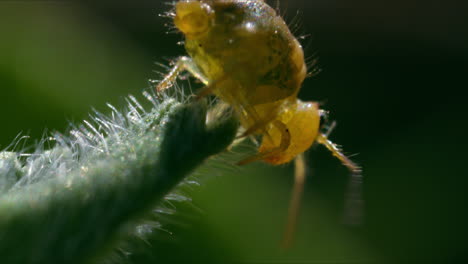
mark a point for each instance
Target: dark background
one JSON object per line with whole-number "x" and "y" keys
{"x": 392, "y": 75}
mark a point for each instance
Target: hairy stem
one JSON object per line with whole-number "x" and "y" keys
{"x": 73, "y": 202}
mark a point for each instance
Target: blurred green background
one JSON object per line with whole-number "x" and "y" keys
{"x": 392, "y": 75}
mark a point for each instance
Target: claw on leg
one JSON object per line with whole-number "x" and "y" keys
{"x": 182, "y": 63}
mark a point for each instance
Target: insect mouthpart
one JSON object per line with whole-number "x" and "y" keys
{"x": 193, "y": 18}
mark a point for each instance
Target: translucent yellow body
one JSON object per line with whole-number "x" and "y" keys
{"x": 253, "y": 62}
{"x": 244, "y": 53}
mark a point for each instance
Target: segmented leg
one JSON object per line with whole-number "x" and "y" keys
{"x": 182, "y": 63}
{"x": 353, "y": 202}
{"x": 284, "y": 144}
{"x": 295, "y": 202}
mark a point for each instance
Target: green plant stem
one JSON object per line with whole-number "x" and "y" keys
{"x": 76, "y": 217}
